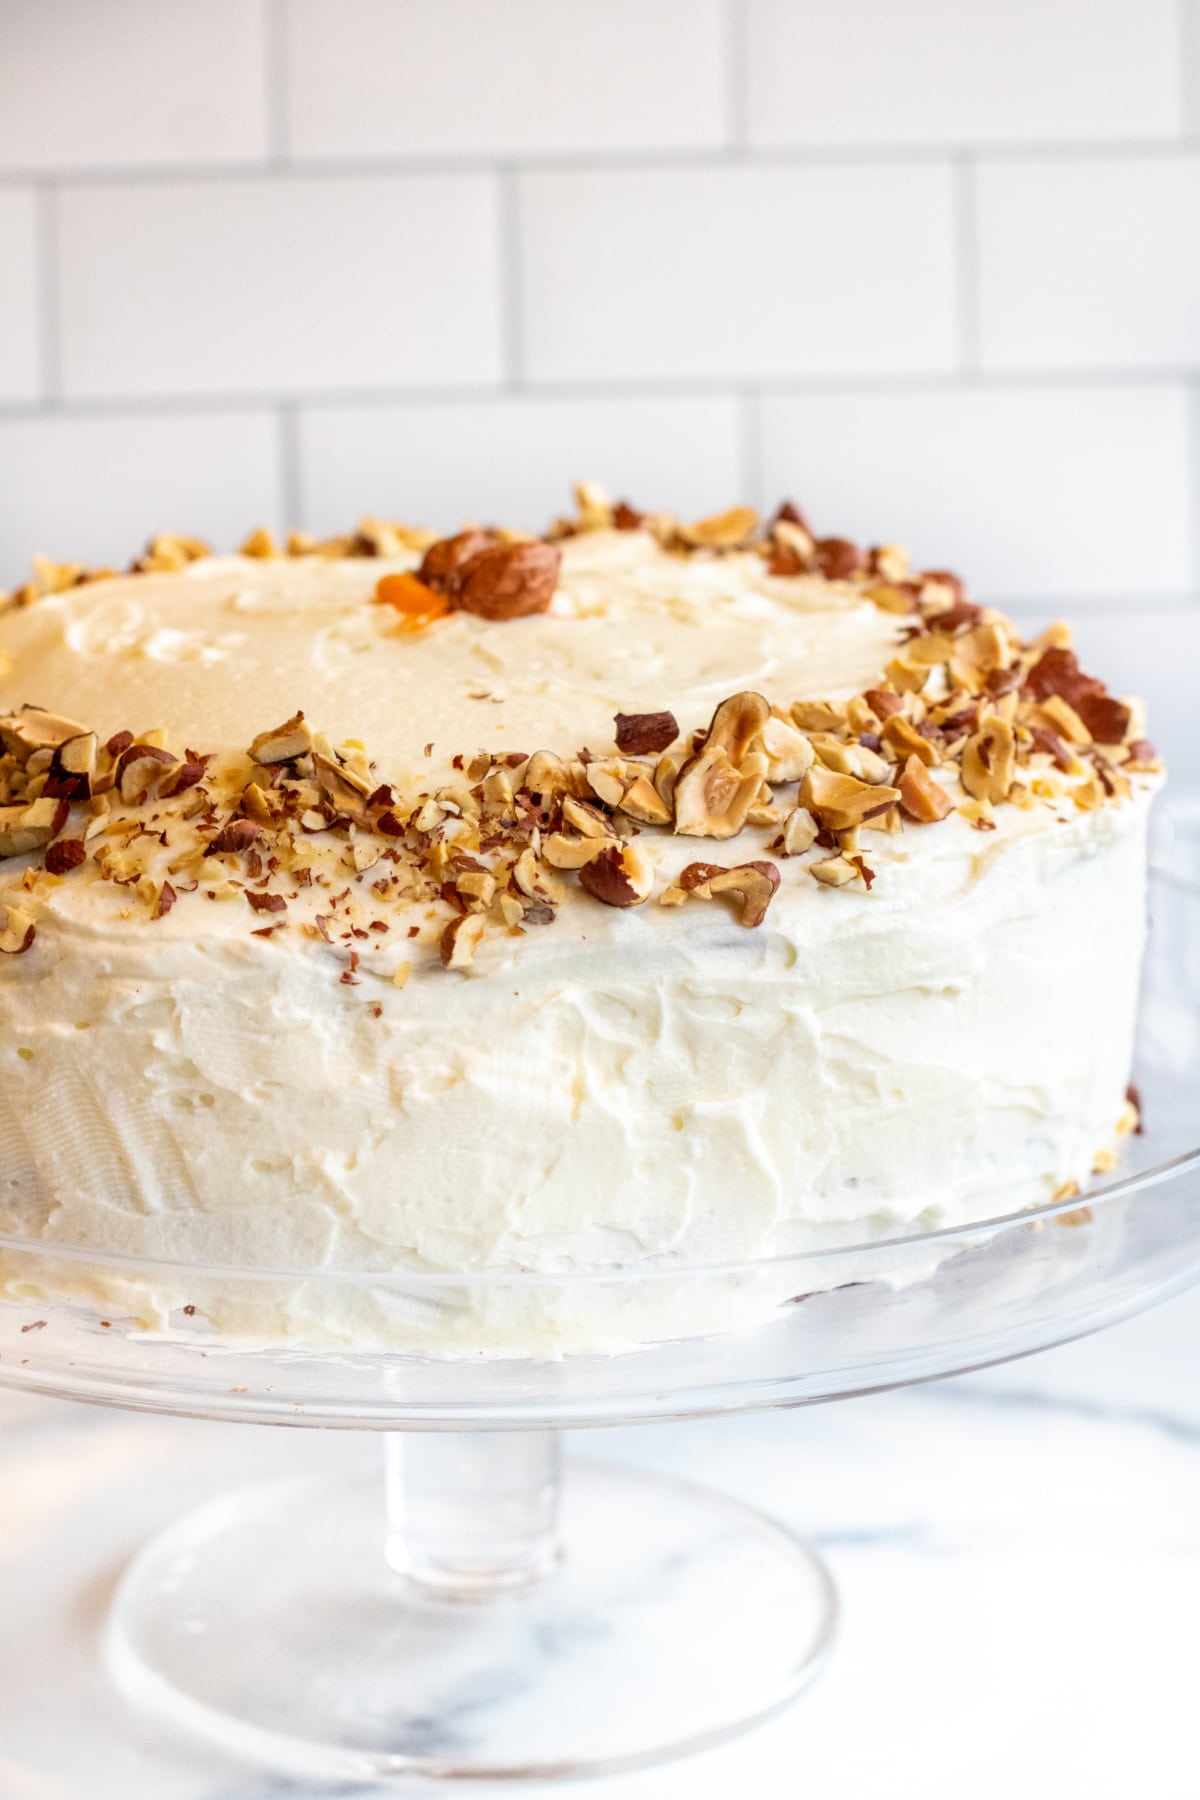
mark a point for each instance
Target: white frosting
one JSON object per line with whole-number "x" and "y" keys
{"x": 620, "y": 1089}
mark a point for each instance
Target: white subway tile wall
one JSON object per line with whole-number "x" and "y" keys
{"x": 1090, "y": 264}
{"x": 205, "y": 287}
{"x": 931, "y": 268}
{"x": 504, "y": 77}
{"x": 123, "y": 475}
{"x": 969, "y": 72}
{"x": 1050, "y": 489}
{"x": 85, "y": 84}
{"x": 736, "y": 272}
{"x": 509, "y": 456}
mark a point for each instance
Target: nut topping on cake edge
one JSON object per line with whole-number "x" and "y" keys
{"x": 965, "y": 719}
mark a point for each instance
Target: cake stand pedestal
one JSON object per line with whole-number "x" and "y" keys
{"x": 466, "y": 1619}
{"x": 488, "y": 1632}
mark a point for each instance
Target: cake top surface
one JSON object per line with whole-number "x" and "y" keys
{"x": 394, "y": 737}
{"x": 228, "y": 646}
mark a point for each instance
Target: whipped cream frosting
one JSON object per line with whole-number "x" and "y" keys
{"x": 625, "y": 1091}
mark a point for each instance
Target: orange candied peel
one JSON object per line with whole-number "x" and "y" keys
{"x": 416, "y": 604}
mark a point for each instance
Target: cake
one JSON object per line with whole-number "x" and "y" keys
{"x": 643, "y": 896}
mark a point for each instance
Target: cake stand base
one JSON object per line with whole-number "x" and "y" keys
{"x": 659, "y": 1618}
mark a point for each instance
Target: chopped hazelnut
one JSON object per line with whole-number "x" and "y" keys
{"x": 33, "y": 729}
{"x": 460, "y": 940}
{"x": 666, "y": 774}
{"x": 818, "y": 715}
{"x": 838, "y": 558}
{"x": 645, "y": 734}
{"x": 1106, "y": 718}
{"x": 977, "y": 654}
{"x": 799, "y": 832}
{"x": 788, "y": 751}
{"x": 883, "y": 704}
{"x": 73, "y": 767}
{"x": 344, "y": 789}
{"x": 17, "y": 933}
{"x": 256, "y": 804}
{"x": 606, "y": 778}
{"x": 64, "y": 855}
{"x": 233, "y": 838}
{"x": 286, "y": 743}
{"x": 30, "y": 825}
{"x": 563, "y": 852}
{"x": 1058, "y": 716}
{"x": 922, "y": 798}
{"x": 989, "y": 761}
{"x": 621, "y": 875}
{"x": 536, "y": 882}
{"x": 477, "y": 887}
{"x": 842, "y": 801}
{"x": 904, "y": 740}
{"x": 588, "y": 820}
{"x": 752, "y": 885}
{"x": 849, "y": 759}
{"x": 837, "y": 871}
{"x": 593, "y": 506}
{"x": 716, "y": 788}
{"x": 546, "y": 774}
{"x": 790, "y": 551}
{"x": 641, "y": 801}
{"x": 140, "y": 770}
{"x": 260, "y": 544}
{"x": 723, "y": 531}
{"x": 892, "y": 596}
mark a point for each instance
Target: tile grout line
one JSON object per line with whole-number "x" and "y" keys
{"x": 509, "y": 270}
{"x": 1032, "y": 381}
{"x": 649, "y": 159}
{"x": 964, "y": 205}
{"x": 47, "y": 276}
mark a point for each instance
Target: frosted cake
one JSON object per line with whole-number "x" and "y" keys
{"x": 646, "y": 894}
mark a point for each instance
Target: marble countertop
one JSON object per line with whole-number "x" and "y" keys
{"x": 1018, "y": 1553}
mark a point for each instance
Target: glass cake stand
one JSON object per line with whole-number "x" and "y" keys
{"x": 477, "y": 1618}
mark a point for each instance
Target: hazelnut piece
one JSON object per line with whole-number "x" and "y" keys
{"x": 842, "y": 801}
{"x": 73, "y": 767}
{"x": 716, "y": 788}
{"x": 620, "y": 875}
{"x": 30, "y": 825}
{"x": 33, "y": 728}
{"x": 140, "y": 770}
{"x": 510, "y": 581}
{"x": 344, "y": 789}
{"x": 18, "y": 932}
{"x": 645, "y": 734}
{"x": 922, "y": 798}
{"x": 722, "y": 531}
{"x": 752, "y": 885}
{"x": 904, "y": 740}
{"x": 460, "y": 940}
{"x": 989, "y": 761}
{"x": 286, "y": 743}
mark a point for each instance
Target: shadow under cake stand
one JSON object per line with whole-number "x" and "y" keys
{"x": 482, "y": 1619}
